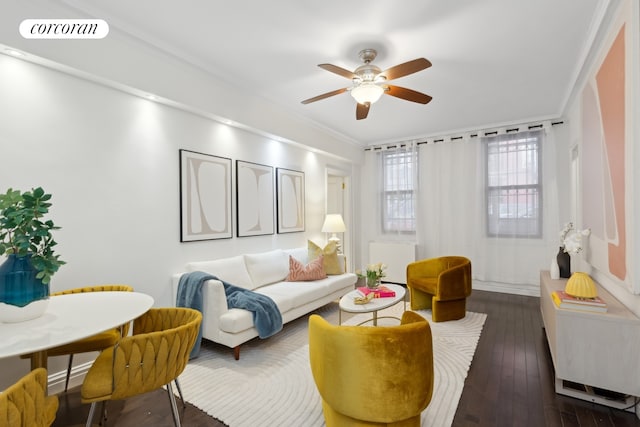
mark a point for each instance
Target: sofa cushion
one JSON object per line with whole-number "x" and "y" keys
{"x": 301, "y": 254}
{"x": 289, "y": 295}
{"x": 236, "y": 320}
{"x": 330, "y": 253}
{"x": 267, "y": 267}
{"x": 298, "y": 272}
{"x": 231, "y": 270}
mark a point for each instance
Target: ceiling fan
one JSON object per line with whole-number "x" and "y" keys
{"x": 369, "y": 82}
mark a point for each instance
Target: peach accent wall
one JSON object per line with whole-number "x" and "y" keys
{"x": 611, "y": 87}
{"x": 603, "y": 155}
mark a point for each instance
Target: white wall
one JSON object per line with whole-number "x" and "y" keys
{"x": 126, "y": 61}
{"x": 110, "y": 160}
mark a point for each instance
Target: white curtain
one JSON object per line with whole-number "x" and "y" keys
{"x": 370, "y": 211}
{"x": 450, "y": 199}
{"x": 451, "y": 208}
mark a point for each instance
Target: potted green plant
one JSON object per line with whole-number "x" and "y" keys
{"x": 27, "y": 242}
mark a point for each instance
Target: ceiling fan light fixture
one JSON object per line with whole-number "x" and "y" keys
{"x": 367, "y": 92}
{"x": 368, "y": 82}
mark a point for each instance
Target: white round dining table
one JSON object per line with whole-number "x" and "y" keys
{"x": 69, "y": 318}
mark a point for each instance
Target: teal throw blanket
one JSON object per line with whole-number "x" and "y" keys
{"x": 266, "y": 316}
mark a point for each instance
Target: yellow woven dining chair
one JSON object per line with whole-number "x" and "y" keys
{"x": 26, "y": 404}
{"x": 152, "y": 357}
{"x": 96, "y": 342}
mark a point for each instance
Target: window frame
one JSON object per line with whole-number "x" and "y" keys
{"x": 493, "y": 191}
{"x": 408, "y": 194}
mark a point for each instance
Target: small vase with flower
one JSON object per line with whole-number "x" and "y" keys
{"x": 570, "y": 244}
{"x": 373, "y": 274}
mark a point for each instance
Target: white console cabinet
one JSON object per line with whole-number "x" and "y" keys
{"x": 593, "y": 349}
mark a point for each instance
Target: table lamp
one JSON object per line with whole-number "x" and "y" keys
{"x": 333, "y": 223}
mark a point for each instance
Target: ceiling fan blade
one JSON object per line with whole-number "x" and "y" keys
{"x": 324, "y": 95}
{"x": 362, "y": 110}
{"x": 337, "y": 70}
{"x": 405, "y": 69}
{"x": 407, "y": 94}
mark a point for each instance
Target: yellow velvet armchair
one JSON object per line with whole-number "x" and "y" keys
{"x": 153, "y": 356}
{"x": 26, "y": 404}
{"x": 96, "y": 342}
{"x": 441, "y": 284}
{"x": 372, "y": 376}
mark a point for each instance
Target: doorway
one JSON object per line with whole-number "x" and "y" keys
{"x": 338, "y": 198}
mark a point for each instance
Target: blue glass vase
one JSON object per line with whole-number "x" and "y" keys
{"x": 23, "y": 295}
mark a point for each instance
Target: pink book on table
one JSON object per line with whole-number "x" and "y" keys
{"x": 380, "y": 292}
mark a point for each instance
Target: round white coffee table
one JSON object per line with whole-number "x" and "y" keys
{"x": 373, "y": 306}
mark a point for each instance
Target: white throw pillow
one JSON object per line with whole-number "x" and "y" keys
{"x": 267, "y": 267}
{"x": 301, "y": 254}
{"x": 231, "y": 270}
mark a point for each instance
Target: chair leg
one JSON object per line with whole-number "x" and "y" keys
{"x": 184, "y": 404}
{"x": 66, "y": 383}
{"x": 174, "y": 407}
{"x": 444, "y": 311}
{"x": 103, "y": 417}
{"x": 92, "y": 410}
{"x": 420, "y": 300}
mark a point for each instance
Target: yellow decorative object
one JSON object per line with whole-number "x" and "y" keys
{"x": 581, "y": 285}
{"x": 331, "y": 261}
{"x": 441, "y": 284}
{"x": 26, "y": 403}
{"x": 372, "y": 376}
{"x": 154, "y": 356}
{"x": 363, "y": 300}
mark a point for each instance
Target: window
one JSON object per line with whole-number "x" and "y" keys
{"x": 398, "y": 191}
{"x": 514, "y": 189}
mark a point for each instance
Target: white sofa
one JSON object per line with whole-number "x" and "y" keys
{"x": 264, "y": 273}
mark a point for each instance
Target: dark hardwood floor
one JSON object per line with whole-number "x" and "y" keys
{"x": 510, "y": 382}
{"x": 511, "y": 379}
{"x": 151, "y": 409}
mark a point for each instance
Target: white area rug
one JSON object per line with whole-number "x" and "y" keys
{"x": 272, "y": 385}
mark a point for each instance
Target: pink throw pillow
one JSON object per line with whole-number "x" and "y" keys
{"x": 298, "y": 272}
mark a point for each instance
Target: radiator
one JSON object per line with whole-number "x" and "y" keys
{"x": 396, "y": 256}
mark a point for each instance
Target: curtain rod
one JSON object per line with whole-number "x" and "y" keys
{"x": 473, "y": 134}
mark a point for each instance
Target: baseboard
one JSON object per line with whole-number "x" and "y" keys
{"x": 507, "y": 288}
{"x": 57, "y": 379}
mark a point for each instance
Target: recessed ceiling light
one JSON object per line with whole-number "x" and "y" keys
{"x": 14, "y": 52}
